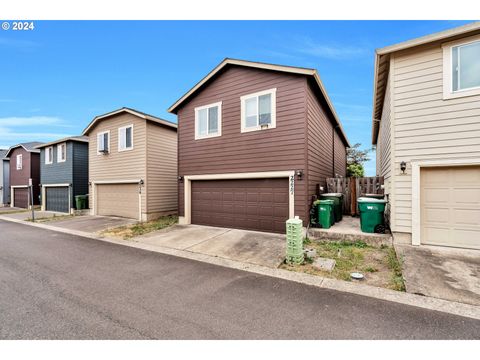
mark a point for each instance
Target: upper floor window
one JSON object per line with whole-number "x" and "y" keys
{"x": 466, "y": 66}
{"x": 19, "y": 162}
{"x": 61, "y": 152}
{"x": 461, "y": 68}
{"x": 103, "y": 142}
{"x": 49, "y": 155}
{"x": 208, "y": 121}
{"x": 125, "y": 138}
{"x": 258, "y": 111}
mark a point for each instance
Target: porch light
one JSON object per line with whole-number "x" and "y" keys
{"x": 299, "y": 174}
{"x": 403, "y": 166}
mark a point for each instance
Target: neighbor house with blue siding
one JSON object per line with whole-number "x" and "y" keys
{"x": 63, "y": 173}
{"x": 4, "y": 178}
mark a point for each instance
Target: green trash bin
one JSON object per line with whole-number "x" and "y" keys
{"x": 371, "y": 214}
{"x": 337, "y": 205}
{"x": 325, "y": 213}
{"x": 81, "y": 202}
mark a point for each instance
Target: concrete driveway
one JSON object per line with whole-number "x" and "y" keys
{"x": 92, "y": 224}
{"x": 247, "y": 246}
{"x": 441, "y": 272}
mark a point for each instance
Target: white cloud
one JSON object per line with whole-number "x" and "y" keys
{"x": 16, "y": 121}
{"x": 329, "y": 51}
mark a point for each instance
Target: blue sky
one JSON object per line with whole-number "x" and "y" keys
{"x": 56, "y": 78}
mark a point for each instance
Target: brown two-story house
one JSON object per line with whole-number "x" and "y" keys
{"x": 256, "y": 141}
{"x": 24, "y": 165}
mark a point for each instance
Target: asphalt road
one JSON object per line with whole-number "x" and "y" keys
{"x": 57, "y": 286}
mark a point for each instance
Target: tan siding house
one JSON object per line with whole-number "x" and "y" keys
{"x": 132, "y": 165}
{"x": 269, "y": 139}
{"x": 426, "y": 118}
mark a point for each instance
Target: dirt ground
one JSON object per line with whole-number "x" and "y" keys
{"x": 379, "y": 265}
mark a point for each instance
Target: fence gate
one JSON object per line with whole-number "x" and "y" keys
{"x": 353, "y": 188}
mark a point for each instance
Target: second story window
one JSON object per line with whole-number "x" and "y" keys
{"x": 466, "y": 66}
{"x": 19, "y": 162}
{"x": 258, "y": 111}
{"x": 61, "y": 152}
{"x": 103, "y": 142}
{"x": 125, "y": 138}
{"x": 49, "y": 155}
{"x": 208, "y": 121}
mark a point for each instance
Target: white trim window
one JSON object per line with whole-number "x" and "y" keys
{"x": 62, "y": 152}
{"x": 19, "y": 162}
{"x": 125, "y": 138}
{"x": 103, "y": 142}
{"x": 258, "y": 111}
{"x": 208, "y": 121}
{"x": 466, "y": 66}
{"x": 461, "y": 66}
{"x": 49, "y": 155}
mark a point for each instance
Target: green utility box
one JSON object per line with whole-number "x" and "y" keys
{"x": 325, "y": 213}
{"x": 371, "y": 214}
{"x": 338, "y": 204}
{"x": 81, "y": 202}
{"x": 294, "y": 241}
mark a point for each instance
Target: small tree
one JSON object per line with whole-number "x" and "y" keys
{"x": 355, "y": 159}
{"x": 355, "y": 170}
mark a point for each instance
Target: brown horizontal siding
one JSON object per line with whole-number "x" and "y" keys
{"x": 278, "y": 149}
{"x": 322, "y": 163}
{"x": 30, "y": 169}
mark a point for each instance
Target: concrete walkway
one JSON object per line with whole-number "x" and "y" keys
{"x": 241, "y": 245}
{"x": 92, "y": 224}
{"x": 445, "y": 273}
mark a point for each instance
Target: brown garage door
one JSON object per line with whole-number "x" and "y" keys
{"x": 21, "y": 197}
{"x": 254, "y": 204}
{"x": 117, "y": 200}
{"x": 450, "y": 206}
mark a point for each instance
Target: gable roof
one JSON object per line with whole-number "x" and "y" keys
{"x": 70, "y": 138}
{"x": 28, "y": 146}
{"x": 3, "y": 152}
{"x": 259, "y": 65}
{"x": 382, "y": 65}
{"x": 137, "y": 113}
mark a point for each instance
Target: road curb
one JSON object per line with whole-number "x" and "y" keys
{"x": 455, "y": 308}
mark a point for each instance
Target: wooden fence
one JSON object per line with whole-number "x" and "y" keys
{"x": 353, "y": 188}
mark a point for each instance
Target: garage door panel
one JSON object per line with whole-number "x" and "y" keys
{"x": 118, "y": 200}
{"x": 450, "y": 206}
{"x": 21, "y": 197}
{"x": 57, "y": 199}
{"x": 258, "y": 204}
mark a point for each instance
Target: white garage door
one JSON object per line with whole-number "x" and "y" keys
{"x": 450, "y": 206}
{"x": 117, "y": 200}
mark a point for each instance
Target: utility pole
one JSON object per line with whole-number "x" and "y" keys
{"x": 30, "y": 187}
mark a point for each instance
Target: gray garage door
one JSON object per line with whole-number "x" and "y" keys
{"x": 57, "y": 199}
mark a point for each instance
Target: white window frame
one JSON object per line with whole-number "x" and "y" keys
{"x": 120, "y": 136}
{"x": 48, "y": 151}
{"x": 219, "y": 130}
{"x": 59, "y": 152}
{"x": 102, "y": 133}
{"x": 19, "y": 157}
{"x": 448, "y": 92}
{"x": 273, "y": 108}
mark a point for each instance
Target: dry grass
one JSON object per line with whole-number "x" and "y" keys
{"x": 379, "y": 265}
{"x": 130, "y": 231}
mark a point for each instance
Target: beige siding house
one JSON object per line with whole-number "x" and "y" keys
{"x": 426, "y": 116}
{"x": 132, "y": 165}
